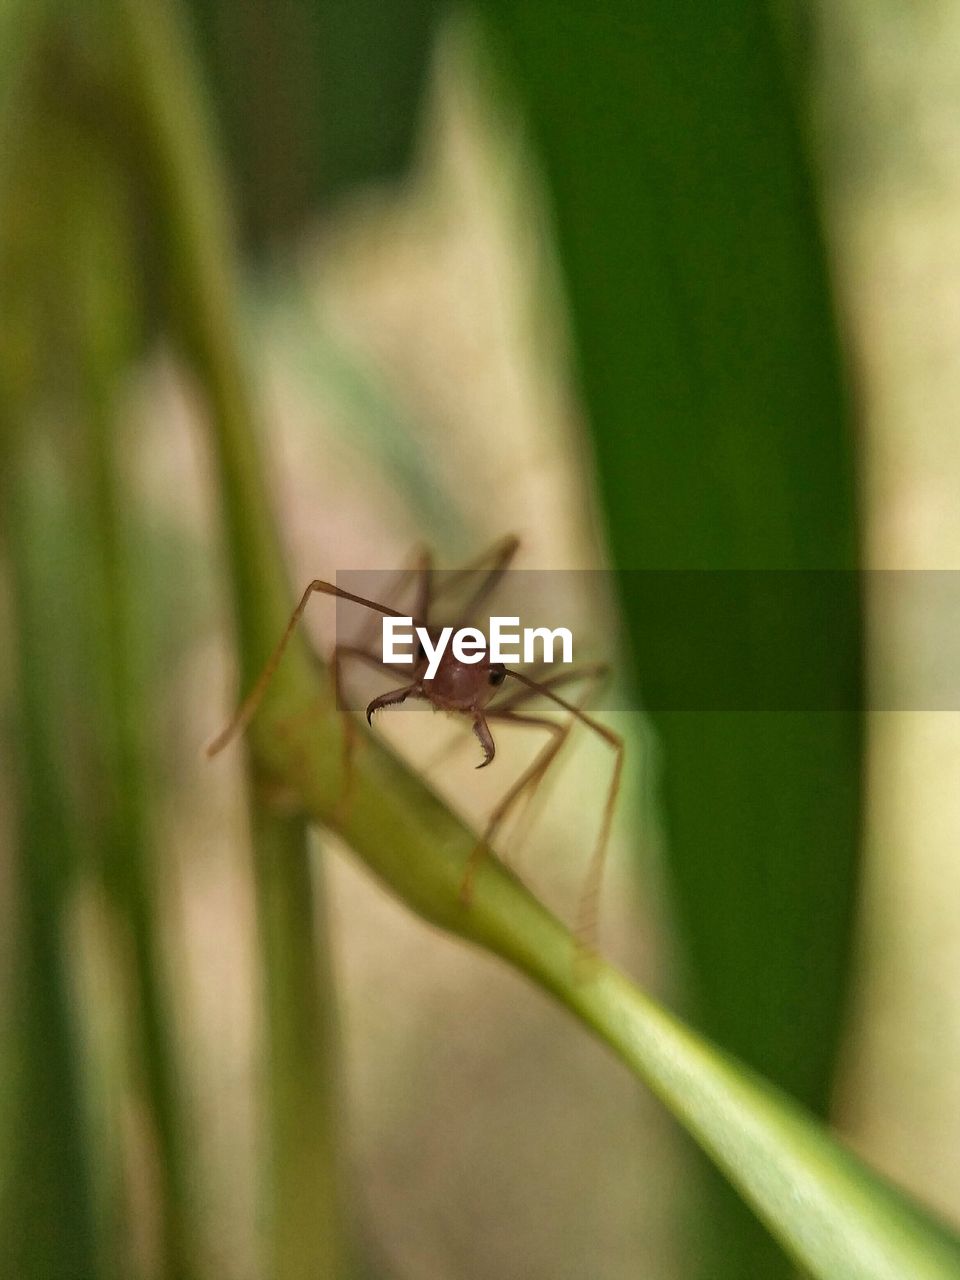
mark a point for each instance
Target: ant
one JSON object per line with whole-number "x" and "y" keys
{"x": 472, "y": 690}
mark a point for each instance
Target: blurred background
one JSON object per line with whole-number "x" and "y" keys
{"x": 646, "y": 288}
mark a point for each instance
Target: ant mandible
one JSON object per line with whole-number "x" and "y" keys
{"x": 466, "y": 689}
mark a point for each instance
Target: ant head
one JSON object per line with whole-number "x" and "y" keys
{"x": 462, "y": 686}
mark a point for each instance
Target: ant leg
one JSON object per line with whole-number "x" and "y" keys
{"x": 341, "y": 652}
{"x": 391, "y": 699}
{"x": 482, "y": 730}
{"x": 589, "y": 905}
{"x": 586, "y": 926}
{"x": 294, "y": 724}
{"x": 424, "y": 596}
{"x": 249, "y": 705}
{"x": 590, "y": 673}
{"x": 593, "y": 673}
{"x": 530, "y": 777}
{"x": 500, "y": 556}
{"x": 420, "y": 570}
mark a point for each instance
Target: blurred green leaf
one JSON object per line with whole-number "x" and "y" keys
{"x": 73, "y": 270}
{"x": 48, "y": 1212}
{"x": 708, "y": 358}
{"x": 186, "y": 204}
{"x": 99, "y": 291}
{"x": 313, "y": 98}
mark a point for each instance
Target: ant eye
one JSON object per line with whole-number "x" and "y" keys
{"x": 497, "y": 675}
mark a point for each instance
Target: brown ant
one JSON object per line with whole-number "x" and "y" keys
{"x": 466, "y": 689}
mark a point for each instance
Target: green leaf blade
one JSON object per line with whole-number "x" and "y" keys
{"x": 709, "y": 364}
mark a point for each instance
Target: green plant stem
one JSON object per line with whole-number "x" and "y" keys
{"x": 48, "y": 1212}
{"x": 832, "y": 1213}
{"x": 307, "y": 1237}
{"x": 684, "y": 217}
{"x": 306, "y": 1210}
{"x": 103, "y": 318}
{"x": 177, "y": 164}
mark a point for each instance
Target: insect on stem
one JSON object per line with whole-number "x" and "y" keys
{"x": 467, "y": 689}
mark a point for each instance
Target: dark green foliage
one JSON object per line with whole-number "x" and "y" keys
{"x": 709, "y": 363}
{"x": 47, "y": 1211}
{"x": 314, "y": 99}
